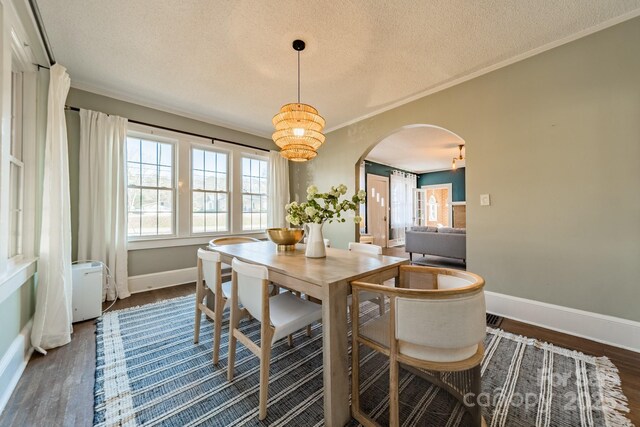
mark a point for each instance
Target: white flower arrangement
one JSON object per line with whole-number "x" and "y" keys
{"x": 321, "y": 207}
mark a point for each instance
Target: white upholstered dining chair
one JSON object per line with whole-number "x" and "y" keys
{"x": 213, "y": 280}
{"x": 210, "y": 277}
{"x": 279, "y": 315}
{"x": 435, "y": 328}
{"x": 369, "y": 249}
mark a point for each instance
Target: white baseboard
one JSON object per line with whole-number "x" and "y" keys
{"x": 13, "y": 363}
{"x": 163, "y": 279}
{"x": 597, "y": 327}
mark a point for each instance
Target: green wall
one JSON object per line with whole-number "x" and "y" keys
{"x": 15, "y": 313}
{"x": 554, "y": 140}
{"x": 454, "y": 177}
{"x": 141, "y": 261}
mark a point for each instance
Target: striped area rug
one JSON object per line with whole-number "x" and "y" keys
{"x": 149, "y": 373}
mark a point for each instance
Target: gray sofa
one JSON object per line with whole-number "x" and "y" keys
{"x": 444, "y": 242}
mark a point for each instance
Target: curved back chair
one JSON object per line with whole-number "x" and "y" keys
{"x": 231, "y": 240}
{"x": 435, "y": 328}
{"x": 279, "y": 315}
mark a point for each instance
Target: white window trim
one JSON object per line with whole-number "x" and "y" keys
{"x": 174, "y": 147}
{"x": 18, "y": 53}
{"x": 182, "y": 160}
{"x": 255, "y": 157}
{"x": 209, "y": 147}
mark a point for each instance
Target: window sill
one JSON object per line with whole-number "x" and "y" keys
{"x": 16, "y": 275}
{"x": 136, "y": 245}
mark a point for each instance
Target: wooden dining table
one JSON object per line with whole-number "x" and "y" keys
{"x": 328, "y": 280}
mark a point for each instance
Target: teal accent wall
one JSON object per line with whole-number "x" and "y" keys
{"x": 454, "y": 177}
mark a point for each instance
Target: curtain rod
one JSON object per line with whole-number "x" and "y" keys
{"x": 213, "y": 139}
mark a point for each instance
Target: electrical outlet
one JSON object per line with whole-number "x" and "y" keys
{"x": 485, "y": 200}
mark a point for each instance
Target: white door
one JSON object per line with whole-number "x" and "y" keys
{"x": 378, "y": 209}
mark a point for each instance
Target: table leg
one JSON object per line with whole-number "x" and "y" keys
{"x": 335, "y": 355}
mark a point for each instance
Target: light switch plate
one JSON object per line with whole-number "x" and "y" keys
{"x": 485, "y": 200}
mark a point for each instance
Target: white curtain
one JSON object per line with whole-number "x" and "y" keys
{"x": 278, "y": 194}
{"x": 402, "y": 188}
{"x": 102, "y": 210}
{"x": 53, "y": 316}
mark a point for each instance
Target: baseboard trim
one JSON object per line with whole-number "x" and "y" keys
{"x": 13, "y": 363}
{"x": 163, "y": 279}
{"x": 605, "y": 329}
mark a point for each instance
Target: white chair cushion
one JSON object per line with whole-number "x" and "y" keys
{"x": 377, "y": 330}
{"x": 289, "y": 313}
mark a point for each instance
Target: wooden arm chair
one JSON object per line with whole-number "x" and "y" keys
{"x": 231, "y": 240}
{"x": 279, "y": 315}
{"x": 435, "y": 328}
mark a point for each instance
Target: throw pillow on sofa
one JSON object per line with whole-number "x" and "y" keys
{"x": 428, "y": 229}
{"x": 452, "y": 230}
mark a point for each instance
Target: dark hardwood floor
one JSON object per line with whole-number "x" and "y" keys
{"x": 57, "y": 389}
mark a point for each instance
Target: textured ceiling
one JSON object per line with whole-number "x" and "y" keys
{"x": 418, "y": 149}
{"x": 231, "y": 62}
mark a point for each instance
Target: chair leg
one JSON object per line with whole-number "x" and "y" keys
{"x": 476, "y": 389}
{"x": 217, "y": 328}
{"x": 265, "y": 362}
{"x": 290, "y": 340}
{"x": 231, "y": 358}
{"x": 394, "y": 411}
{"x": 380, "y": 301}
{"x": 196, "y": 329}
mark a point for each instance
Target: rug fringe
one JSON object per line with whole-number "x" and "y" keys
{"x": 612, "y": 399}
{"x": 613, "y": 402}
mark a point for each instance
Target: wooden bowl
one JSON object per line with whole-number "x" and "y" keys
{"x": 285, "y": 238}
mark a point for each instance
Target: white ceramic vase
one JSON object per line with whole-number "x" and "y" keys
{"x": 315, "y": 241}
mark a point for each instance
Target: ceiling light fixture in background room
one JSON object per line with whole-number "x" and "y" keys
{"x": 298, "y": 126}
{"x": 460, "y": 157}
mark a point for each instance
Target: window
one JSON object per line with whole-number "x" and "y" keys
{"x": 433, "y": 208}
{"x": 209, "y": 191}
{"x": 151, "y": 192}
{"x": 16, "y": 168}
{"x": 184, "y": 189}
{"x": 254, "y": 194}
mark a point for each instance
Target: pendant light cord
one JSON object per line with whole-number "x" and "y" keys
{"x": 298, "y": 77}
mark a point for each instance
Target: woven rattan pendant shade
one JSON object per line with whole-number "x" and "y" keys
{"x": 298, "y": 126}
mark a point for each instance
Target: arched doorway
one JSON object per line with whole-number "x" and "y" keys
{"x": 410, "y": 158}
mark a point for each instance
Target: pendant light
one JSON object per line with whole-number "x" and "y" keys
{"x": 460, "y": 157}
{"x": 298, "y": 126}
